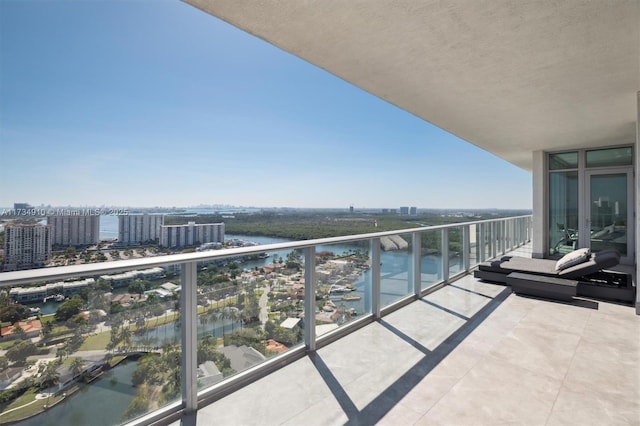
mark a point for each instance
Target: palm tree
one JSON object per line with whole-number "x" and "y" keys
{"x": 76, "y": 366}
{"x": 204, "y": 319}
{"x": 19, "y": 333}
{"x": 125, "y": 336}
{"x": 213, "y": 316}
{"x": 233, "y": 316}
{"x": 223, "y": 316}
{"x": 50, "y": 375}
{"x": 207, "y": 340}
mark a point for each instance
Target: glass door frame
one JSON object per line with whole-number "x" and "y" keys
{"x": 585, "y": 228}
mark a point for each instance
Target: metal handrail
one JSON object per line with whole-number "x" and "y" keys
{"x": 63, "y": 272}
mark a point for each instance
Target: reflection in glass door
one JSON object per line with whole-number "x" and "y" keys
{"x": 609, "y": 213}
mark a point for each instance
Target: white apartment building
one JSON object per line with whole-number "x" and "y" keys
{"x": 191, "y": 234}
{"x": 139, "y": 228}
{"x": 76, "y": 230}
{"x": 26, "y": 246}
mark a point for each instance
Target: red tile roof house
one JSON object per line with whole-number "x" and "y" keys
{"x": 31, "y": 328}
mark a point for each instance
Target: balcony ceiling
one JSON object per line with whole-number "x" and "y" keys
{"x": 511, "y": 77}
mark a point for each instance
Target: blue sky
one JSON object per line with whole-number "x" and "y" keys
{"x": 155, "y": 103}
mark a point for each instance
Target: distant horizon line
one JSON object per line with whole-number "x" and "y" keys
{"x": 235, "y": 207}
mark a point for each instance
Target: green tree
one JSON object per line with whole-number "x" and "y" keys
{"x": 251, "y": 311}
{"x": 125, "y": 336}
{"x": 47, "y": 328}
{"x": 137, "y": 407}
{"x": 19, "y": 333}
{"x": 13, "y": 313}
{"x": 4, "y": 363}
{"x": 21, "y": 350}
{"x": 139, "y": 286}
{"x": 70, "y": 253}
{"x": 76, "y": 366}
{"x": 50, "y": 376}
{"x": 68, "y": 309}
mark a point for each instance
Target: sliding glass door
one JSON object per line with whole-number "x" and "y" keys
{"x": 591, "y": 201}
{"x": 609, "y": 213}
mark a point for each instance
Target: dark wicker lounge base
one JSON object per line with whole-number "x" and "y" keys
{"x": 541, "y": 286}
{"x": 592, "y": 279}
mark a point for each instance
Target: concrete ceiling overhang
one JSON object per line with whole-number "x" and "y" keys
{"x": 510, "y": 77}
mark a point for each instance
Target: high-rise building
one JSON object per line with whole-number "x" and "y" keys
{"x": 404, "y": 211}
{"x": 191, "y": 234}
{"x": 75, "y": 230}
{"x": 139, "y": 228}
{"x": 21, "y": 206}
{"x": 26, "y": 246}
{"x": 413, "y": 211}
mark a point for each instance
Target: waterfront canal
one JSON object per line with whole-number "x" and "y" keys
{"x": 100, "y": 403}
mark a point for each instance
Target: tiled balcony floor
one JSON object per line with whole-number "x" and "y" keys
{"x": 471, "y": 353}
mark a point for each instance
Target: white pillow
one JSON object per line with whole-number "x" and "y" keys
{"x": 573, "y": 258}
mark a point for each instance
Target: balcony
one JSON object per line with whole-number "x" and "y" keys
{"x": 420, "y": 340}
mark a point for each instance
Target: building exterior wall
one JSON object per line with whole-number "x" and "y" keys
{"x": 191, "y": 234}
{"x": 139, "y": 228}
{"x": 77, "y": 230}
{"x": 26, "y": 246}
{"x": 637, "y": 201}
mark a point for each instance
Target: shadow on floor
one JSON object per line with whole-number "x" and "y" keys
{"x": 390, "y": 397}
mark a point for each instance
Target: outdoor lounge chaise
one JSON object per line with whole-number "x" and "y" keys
{"x": 587, "y": 270}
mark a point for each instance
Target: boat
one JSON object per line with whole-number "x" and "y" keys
{"x": 338, "y": 289}
{"x": 54, "y": 297}
{"x": 351, "y": 297}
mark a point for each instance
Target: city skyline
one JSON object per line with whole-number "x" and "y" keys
{"x": 153, "y": 103}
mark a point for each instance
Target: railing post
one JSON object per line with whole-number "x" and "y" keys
{"x": 503, "y": 238}
{"x": 494, "y": 237}
{"x": 466, "y": 248}
{"x": 512, "y": 239}
{"x": 375, "y": 278}
{"x": 445, "y": 254}
{"x": 417, "y": 263}
{"x": 188, "y": 328}
{"x": 310, "y": 298}
{"x": 482, "y": 242}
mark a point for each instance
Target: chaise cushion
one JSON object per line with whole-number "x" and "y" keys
{"x": 574, "y": 258}
{"x": 597, "y": 262}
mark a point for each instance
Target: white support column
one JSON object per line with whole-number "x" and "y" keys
{"x": 189, "y": 336}
{"x": 310, "y": 298}
{"x": 540, "y": 227}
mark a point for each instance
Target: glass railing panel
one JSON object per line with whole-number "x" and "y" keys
{"x": 474, "y": 245}
{"x": 249, "y": 309}
{"x": 112, "y": 342}
{"x": 343, "y": 284}
{"x": 431, "y": 257}
{"x": 395, "y": 268}
{"x": 456, "y": 250}
{"x": 97, "y": 350}
{"x": 481, "y": 246}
